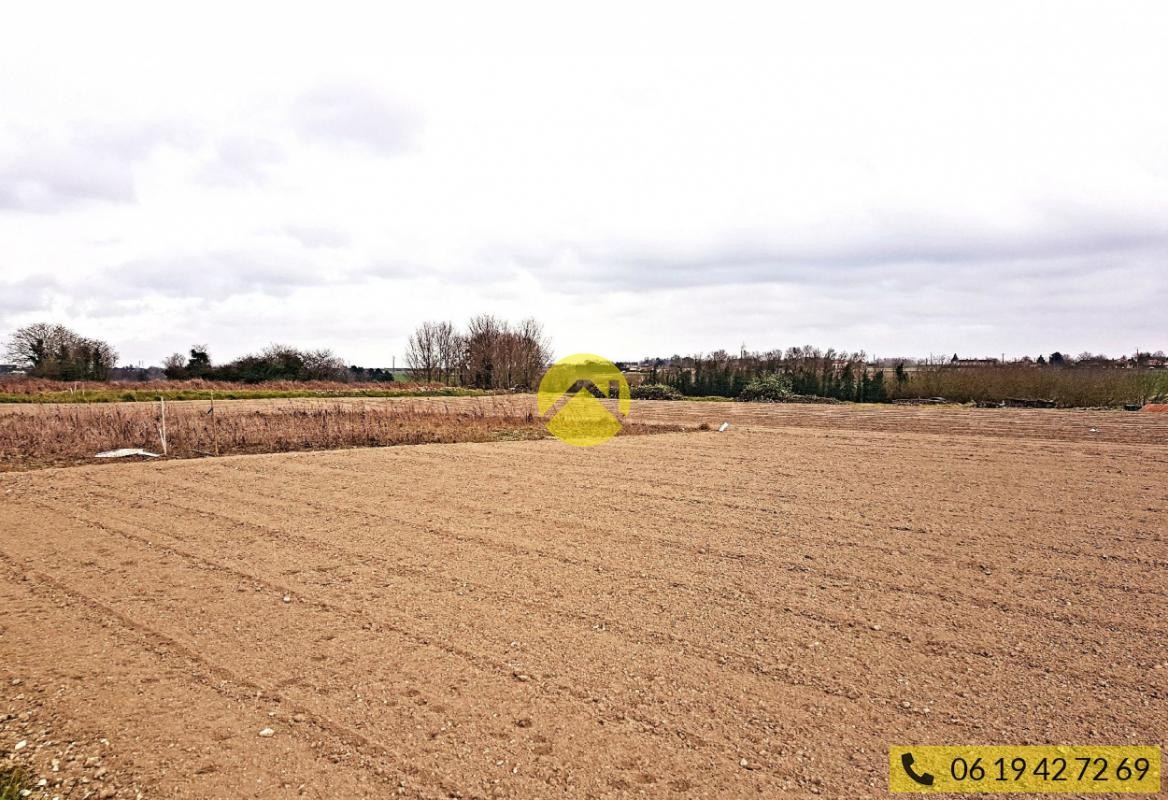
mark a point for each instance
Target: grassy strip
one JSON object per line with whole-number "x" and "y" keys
{"x": 59, "y": 436}
{"x": 149, "y": 395}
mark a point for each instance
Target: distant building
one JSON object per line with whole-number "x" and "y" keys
{"x": 10, "y": 369}
{"x": 1148, "y": 361}
{"x": 973, "y": 362}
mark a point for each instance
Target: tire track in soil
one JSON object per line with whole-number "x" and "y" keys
{"x": 932, "y": 644}
{"x": 895, "y": 636}
{"x": 987, "y": 599}
{"x": 429, "y": 636}
{"x": 709, "y": 568}
{"x": 973, "y": 567}
{"x": 233, "y": 689}
{"x": 624, "y": 486}
{"x": 715, "y": 770}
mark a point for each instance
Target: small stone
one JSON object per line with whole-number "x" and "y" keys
{"x": 267, "y": 732}
{"x": 742, "y": 762}
{"x": 287, "y": 598}
{"x": 23, "y": 743}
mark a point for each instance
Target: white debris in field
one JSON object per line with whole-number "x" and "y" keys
{"x": 128, "y": 451}
{"x": 266, "y": 732}
{"x": 724, "y": 426}
{"x": 287, "y": 598}
{"x": 1094, "y": 430}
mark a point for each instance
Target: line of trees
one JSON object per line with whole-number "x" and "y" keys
{"x": 1081, "y": 381}
{"x": 277, "y": 362}
{"x": 807, "y": 370}
{"x": 490, "y": 354}
{"x": 53, "y": 351}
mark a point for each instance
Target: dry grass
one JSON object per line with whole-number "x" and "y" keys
{"x": 1076, "y": 387}
{"x": 12, "y": 780}
{"x": 51, "y": 436}
{"x": 39, "y": 390}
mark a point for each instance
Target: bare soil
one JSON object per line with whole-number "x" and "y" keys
{"x": 756, "y": 613}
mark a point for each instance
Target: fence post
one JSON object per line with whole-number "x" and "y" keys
{"x": 214, "y": 424}
{"x": 162, "y": 429}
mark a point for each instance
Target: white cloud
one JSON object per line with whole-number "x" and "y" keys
{"x": 899, "y": 177}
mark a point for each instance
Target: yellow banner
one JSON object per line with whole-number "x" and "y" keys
{"x": 1024, "y": 768}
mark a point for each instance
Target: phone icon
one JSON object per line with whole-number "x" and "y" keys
{"x": 924, "y": 779}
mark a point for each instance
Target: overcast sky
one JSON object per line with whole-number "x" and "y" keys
{"x": 903, "y": 178}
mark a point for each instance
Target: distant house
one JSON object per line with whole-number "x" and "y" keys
{"x": 1148, "y": 361}
{"x": 973, "y": 362}
{"x": 10, "y": 369}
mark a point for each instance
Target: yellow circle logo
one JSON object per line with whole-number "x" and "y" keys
{"x": 583, "y": 398}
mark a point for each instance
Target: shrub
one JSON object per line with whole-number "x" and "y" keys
{"x": 767, "y": 389}
{"x": 655, "y": 391}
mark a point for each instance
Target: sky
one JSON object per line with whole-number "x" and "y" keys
{"x": 645, "y": 179}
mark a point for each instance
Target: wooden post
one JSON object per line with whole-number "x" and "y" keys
{"x": 162, "y": 429}
{"x": 214, "y": 424}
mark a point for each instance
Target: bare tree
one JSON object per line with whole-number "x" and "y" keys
{"x": 175, "y": 366}
{"x": 451, "y": 347}
{"x": 323, "y": 365}
{"x": 482, "y": 350}
{"x": 422, "y": 351}
{"x": 54, "y": 351}
{"x": 535, "y": 352}
{"x": 33, "y": 346}
{"x": 502, "y": 357}
{"x": 490, "y": 355}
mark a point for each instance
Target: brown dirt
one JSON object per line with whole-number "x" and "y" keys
{"x": 527, "y": 619}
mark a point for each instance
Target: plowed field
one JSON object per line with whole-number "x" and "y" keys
{"x": 753, "y": 613}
